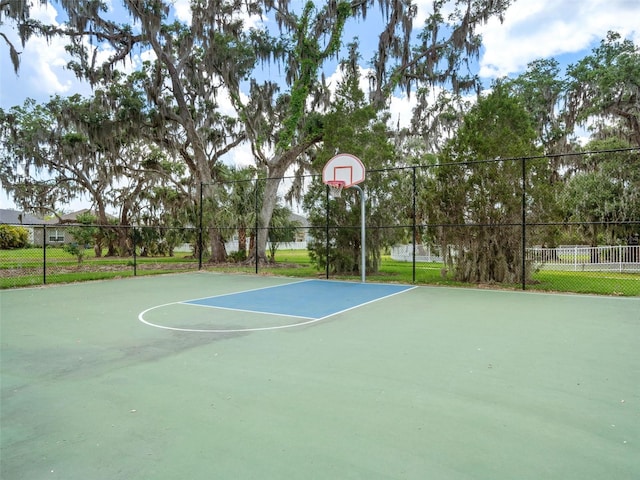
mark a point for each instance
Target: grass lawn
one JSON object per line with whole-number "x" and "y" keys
{"x": 607, "y": 283}
{"x": 24, "y": 267}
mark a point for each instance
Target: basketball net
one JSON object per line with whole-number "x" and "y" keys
{"x": 335, "y": 188}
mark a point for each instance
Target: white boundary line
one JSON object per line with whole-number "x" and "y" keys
{"x": 216, "y": 307}
{"x": 244, "y": 291}
{"x": 226, "y": 330}
{"x": 308, "y": 321}
{"x": 370, "y": 301}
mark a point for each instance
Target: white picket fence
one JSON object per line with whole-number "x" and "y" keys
{"x": 618, "y": 258}
{"x": 424, "y": 253}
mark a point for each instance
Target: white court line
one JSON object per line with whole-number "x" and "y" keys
{"x": 255, "y": 329}
{"x": 245, "y": 291}
{"x": 370, "y": 301}
{"x": 231, "y": 309}
{"x": 226, "y": 330}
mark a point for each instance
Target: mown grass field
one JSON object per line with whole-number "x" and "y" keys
{"x": 24, "y": 267}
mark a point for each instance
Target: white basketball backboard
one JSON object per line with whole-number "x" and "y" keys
{"x": 344, "y": 167}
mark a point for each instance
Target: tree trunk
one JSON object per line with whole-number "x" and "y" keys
{"x": 123, "y": 232}
{"x": 275, "y": 173}
{"x": 218, "y": 250}
{"x": 111, "y": 248}
{"x": 102, "y": 220}
{"x": 200, "y": 169}
{"x": 276, "y": 170}
{"x": 252, "y": 244}
{"x": 242, "y": 239}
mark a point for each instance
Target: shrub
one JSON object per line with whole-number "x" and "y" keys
{"x": 76, "y": 250}
{"x": 237, "y": 257}
{"x": 13, "y": 237}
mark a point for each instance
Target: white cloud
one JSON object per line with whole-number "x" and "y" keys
{"x": 400, "y": 105}
{"x": 252, "y": 21}
{"x": 536, "y": 29}
{"x": 183, "y": 10}
{"x": 401, "y": 110}
{"x": 42, "y": 68}
{"x": 425, "y": 8}
{"x": 44, "y": 13}
{"x": 45, "y": 63}
{"x": 240, "y": 156}
{"x": 337, "y": 76}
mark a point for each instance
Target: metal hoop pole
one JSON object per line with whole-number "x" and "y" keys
{"x": 363, "y": 264}
{"x": 326, "y": 267}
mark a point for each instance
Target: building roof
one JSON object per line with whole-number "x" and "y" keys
{"x": 73, "y": 216}
{"x": 304, "y": 222}
{"x": 15, "y": 217}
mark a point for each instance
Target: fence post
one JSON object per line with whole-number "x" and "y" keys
{"x": 256, "y": 212}
{"x": 524, "y": 224}
{"x": 44, "y": 254}
{"x": 135, "y": 258}
{"x": 200, "y": 241}
{"x": 415, "y": 234}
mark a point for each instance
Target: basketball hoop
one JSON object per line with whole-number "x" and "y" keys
{"x": 345, "y": 171}
{"x": 335, "y": 188}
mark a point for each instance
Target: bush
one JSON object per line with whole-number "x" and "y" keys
{"x": 237, "y": 257}
{"x": 75, "y": 249}
{"x": 13, "y": 237}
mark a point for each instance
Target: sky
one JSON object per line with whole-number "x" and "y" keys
{"x": 566, "y": 30}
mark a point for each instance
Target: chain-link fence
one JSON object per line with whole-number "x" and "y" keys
{"x": 511, "y": 223}
{"x": 507, "y": 223}
{"x": 56, "y": 253}
{"x": 607, "y": 269}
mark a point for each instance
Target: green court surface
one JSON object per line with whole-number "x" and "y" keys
{"x": 430, "y": 383}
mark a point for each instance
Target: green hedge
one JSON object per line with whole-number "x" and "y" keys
{"x": 13, "y": 237}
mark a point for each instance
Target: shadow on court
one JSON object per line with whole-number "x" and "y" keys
{"x": 134, "y": 379}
